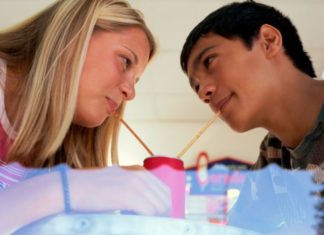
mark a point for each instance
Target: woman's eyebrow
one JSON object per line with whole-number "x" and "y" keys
{"x": 133, "y": 53}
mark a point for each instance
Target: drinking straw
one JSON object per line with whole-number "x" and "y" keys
{"x": 136, "y": 136}
{"x": 199, "y": 133}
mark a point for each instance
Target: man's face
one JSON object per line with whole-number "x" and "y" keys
{"x": 231, "y": 78}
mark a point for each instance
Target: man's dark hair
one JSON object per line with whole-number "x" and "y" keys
{"x": 243, "y": 20}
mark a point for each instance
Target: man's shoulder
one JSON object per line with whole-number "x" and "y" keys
{"x": 272, "y": 150}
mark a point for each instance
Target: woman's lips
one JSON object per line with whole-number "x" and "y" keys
{"x": 220, "y": 104}
{"x": 111, "y": 105}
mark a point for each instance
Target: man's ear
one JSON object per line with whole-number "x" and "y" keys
{"x": 270, "y": 39}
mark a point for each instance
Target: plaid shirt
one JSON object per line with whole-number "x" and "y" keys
{"x": 309, "y": 154}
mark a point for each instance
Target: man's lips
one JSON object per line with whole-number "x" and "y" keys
{"x": 220, "y": 104}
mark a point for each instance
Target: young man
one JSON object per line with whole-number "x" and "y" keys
{"x": 247, "y": 61}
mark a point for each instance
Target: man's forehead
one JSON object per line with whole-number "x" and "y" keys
{"x": 204, "y": 42}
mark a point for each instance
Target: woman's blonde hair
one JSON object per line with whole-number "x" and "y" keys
{"x": 49, "y": 49}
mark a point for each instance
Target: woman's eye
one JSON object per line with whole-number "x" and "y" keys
{"x": 208, "y": 61}
{"x": 126, "y": 62}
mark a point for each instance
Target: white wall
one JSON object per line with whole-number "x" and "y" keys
{"x": 169, "y": 138}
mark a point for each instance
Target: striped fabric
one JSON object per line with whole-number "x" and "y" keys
{"x": 309, "y": 154}
{"x": 11, "y": 173}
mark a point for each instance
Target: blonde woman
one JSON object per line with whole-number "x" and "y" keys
{"x": 65, "y": 75}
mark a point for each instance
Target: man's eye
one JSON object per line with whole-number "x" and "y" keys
{"x": 196, "y": 88}
{"x": 208, "y": 61}
{"x": 194, "y": 85}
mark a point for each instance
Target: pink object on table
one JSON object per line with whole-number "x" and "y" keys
{"x": 171, "y": 172}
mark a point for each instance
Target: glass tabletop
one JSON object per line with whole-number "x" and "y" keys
{"x": 113, "y": 224}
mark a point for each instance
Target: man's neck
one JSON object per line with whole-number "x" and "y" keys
{"x": 297, "y": 115}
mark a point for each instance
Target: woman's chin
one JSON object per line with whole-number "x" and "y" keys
{"x": 90, "y": 123}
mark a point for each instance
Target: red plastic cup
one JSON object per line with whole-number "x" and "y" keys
{"x": 171, "y": 172}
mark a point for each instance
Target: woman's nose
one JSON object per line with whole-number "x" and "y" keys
{"x": 205, "y": 92}
{"x": 128, "y": 90}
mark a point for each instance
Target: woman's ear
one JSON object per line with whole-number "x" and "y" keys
{"x": 271, "y": 40}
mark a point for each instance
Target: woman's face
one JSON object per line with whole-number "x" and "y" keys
{"x": 114, "y": 63}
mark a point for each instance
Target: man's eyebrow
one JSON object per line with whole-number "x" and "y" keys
{"x": 133, "y": 53}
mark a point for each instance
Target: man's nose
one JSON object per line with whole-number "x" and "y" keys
{"x": 206, "y": 91}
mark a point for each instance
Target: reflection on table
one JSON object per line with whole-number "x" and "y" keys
{"x": 268, "y": 201}
{"x": 92, "y": 224}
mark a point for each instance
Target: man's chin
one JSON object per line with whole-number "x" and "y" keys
{"x": 237, "y": 126}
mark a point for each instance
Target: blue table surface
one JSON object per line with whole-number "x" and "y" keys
{"x": 125, "y": 224}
